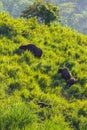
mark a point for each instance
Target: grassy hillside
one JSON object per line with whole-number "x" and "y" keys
{"x": 26, "y": 80}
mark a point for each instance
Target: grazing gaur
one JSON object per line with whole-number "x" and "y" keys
{"x": 66, "y": 75}
{"x": 37, "y": 52}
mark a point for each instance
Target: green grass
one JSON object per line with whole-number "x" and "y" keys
{"x": 25, "y": 79}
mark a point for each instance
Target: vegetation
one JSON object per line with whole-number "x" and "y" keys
{"x": 26, "y": 80}
{"x": 74, "y": 12}
{"x": 45, "y": 12}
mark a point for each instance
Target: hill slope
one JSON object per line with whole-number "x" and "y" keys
{"x": 25, "y": 80}
{"x": 73, "y": 12}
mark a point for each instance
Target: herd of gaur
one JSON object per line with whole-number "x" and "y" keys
{"x": 65, "y": 73}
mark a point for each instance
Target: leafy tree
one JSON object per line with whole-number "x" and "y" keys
{"x": 45, "y": 12}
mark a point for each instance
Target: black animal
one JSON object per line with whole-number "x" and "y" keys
{"x": 71, "y": 81}
{"x": 66, "y": 75}
{"x": 42, "y": 104}
{"x": 37, "y": 52}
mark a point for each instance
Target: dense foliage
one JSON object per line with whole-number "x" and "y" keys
{"x": 73, "y": 12}
{"x": 26, "y": 80}
{"x": 45, "y": 12}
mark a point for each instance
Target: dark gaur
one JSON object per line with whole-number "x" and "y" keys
{"x": 37, "y": 52}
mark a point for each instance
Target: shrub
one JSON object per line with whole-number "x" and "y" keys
{"x": 16, "y": 117}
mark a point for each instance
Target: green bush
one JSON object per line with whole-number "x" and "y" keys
{"x": 16, "y": 117}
